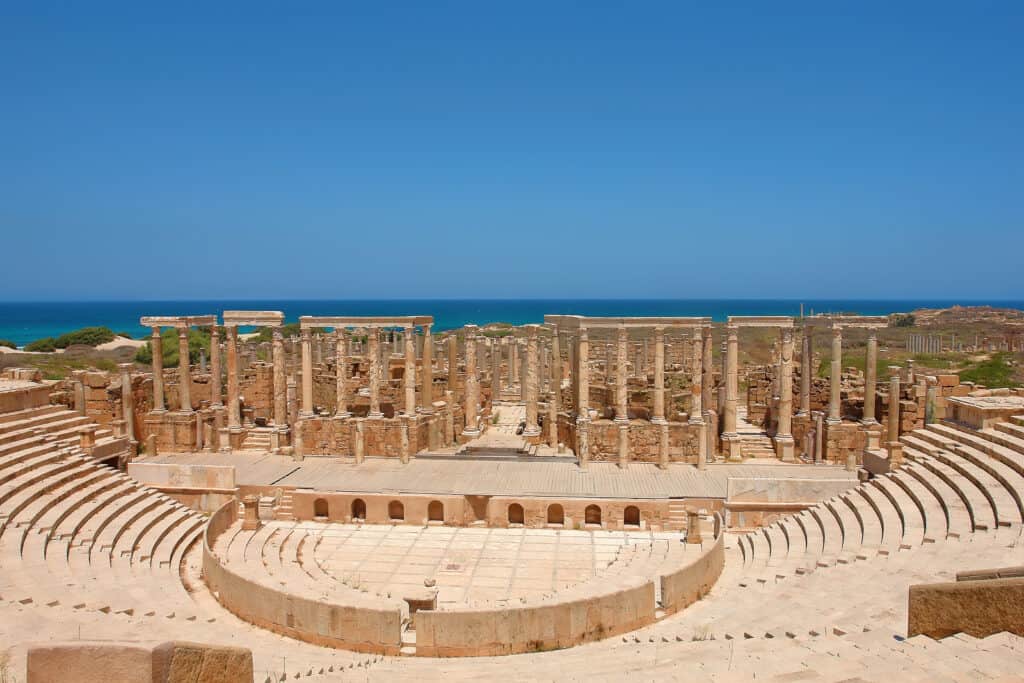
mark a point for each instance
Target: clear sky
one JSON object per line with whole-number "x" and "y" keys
{"x": 533, "y": 149}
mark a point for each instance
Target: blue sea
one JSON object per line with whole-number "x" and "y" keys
{"x": 25, "y": 322}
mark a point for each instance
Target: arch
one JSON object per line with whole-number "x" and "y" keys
{"x": 320, "y": 508}
{"x": 516, "y": 514}
{"x": 592, "y": 515}
{"x": 631, "y": 516}
{"x": 435, "y": 511}
{"x": 396, "y": 511}
{"x": 358, "y": 509}
{"x": 556, "y": 515}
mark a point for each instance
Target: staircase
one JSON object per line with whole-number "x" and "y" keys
{"x": 284, "y": 509}
{"x": 676, "y": 514}
{"x": 257, "y": 439}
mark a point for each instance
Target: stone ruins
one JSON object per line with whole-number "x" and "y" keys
{"x": 370, "y": 495}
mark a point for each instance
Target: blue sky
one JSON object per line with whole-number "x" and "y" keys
{"x": 534, "y": 149}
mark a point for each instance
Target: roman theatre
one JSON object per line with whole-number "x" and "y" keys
{"x": 368, "y": 497}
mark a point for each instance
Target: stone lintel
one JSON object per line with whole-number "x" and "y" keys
{"x": 178, "y": 321}
{"x": 862, "y": 321}
{"x": 780, "y": 321}
{"x": 576, "y": 322}
{"x": 252, "y": 318}
{"x": 312, "y": 321}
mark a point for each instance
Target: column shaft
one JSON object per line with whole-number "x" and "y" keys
{"x": 472, "y": 385}
{"x": 697, "y": 384}
{"x": 453, "y": 362}
{"x": 341, "y": 372}
{"x": 531, "y": 376}
{"x": 556, "y": 371}
{"x": 784, "y": 432}
{"x": 731, "y": 380}
{"x": 427, "y": 370}
{"x": 870, "y": 379}
{"x": 156, "y": 344}
{"x": 806, "y": 370}
{"x": 127, "y": 400}
{"x": 373, "y": 350}
{"x": 234, "y": 412}
{"x": 184, "y": 374}
{"x": 837, "y": 375}
{"x": 215, "y": 369}
{"x": 280, "y": 386}
{"x": 307, "y": 373}
{"x": 622, "y": 376}
{"x": 409, "y": 374}
{"x": 707, "y": 369}
{"x": 659, "y": 376}
{"x": 583, "y": 374}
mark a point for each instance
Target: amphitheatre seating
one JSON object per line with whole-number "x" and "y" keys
{"x": 87, "y": 552}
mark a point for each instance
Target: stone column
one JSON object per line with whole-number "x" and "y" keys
{"x": 834, "y": 417}
{"x": 409, "y": 373}
{"x": 806, "y": 370}
{"x": 510, "y": 342}
{"x": 496, "y": 370}
{"x": 556, "y": 370}
{"x": 819, "y": 436}
{"x": 707, "y": 369}
{"x": 341, "y": 372}
{"x": 531, "y": 376}
{"x": 658, "y": 416}
{"x": 373, "y": 351}
{"x": 521, "y": 367}
{"x": 127, "y": 400}
{"x": 894, "y": 403}
{"x": 359, "y": 442}
{"x": 453, "y": 362}
{"x": 156, "y": 344}
{"x": 427, "y": 370}
{"x": 730, "y": 437}
{"x": 215, "y": 369}
{"x": 472, "y": 385}
{"x": 784, "y": 433}
{"x": 583, "y": 373}
{"x": 697, "y": 390}
{"x": 622, "y": 377}
{"x": 404, "y": 424}
{"x": 234, "y": 411}
{"x": 870, "y": 379}
{"x": 623, "y": 445}
{"x": 280, "y": 386}
{"x": 184, "y": 374}
{"x": 663, "y": 445}
{"x": 307, "y": 373}
{"x": 552, "y": 422}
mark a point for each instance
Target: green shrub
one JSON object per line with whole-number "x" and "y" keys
{"x": 90, "y": 336}
{"x": 994, "y": 372}
{"x": 47, "y": 344}
{"x": 8, "y": 343}
{"x": 126, "y": 335}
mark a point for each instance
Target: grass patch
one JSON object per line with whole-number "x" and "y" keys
{"x": 997, "y": 371}
{"x": 59, "y": 367}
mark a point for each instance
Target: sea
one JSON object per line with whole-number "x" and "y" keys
{"x": 22, "y": 322}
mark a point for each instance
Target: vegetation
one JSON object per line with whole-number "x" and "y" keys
{"x": 8, "y": 343}
{"x": 997, "y": 371}
{"x": 59, "y": 366}
{"x": 126, "y": 335}
{"x": 198, "y": 338}
{"x": 901, "y": 320}
{"x": 46, "y": 344}
{"x": 856, "y": 360}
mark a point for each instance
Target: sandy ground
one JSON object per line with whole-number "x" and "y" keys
{"x": 117, "y": 343}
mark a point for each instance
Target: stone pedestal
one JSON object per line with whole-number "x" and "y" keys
{"x": 624, "y": 445}
{"x": 663, "y": 455}
{"x": 694, "y": 534}
{"x": 251, "y": 516}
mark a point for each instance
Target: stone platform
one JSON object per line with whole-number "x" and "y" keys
{"x": 504, "y": 476}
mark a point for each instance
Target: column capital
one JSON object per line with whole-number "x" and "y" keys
{"x": 155, "y": 331}
{"x": 837, "y": 330}
{"x": 126, "y": 367}
{"x": 276, "y": 334}
{"x": 307, "y": 334}
{"x": 183, "y": 333}
{"x": 733, "y": 330}
{"x": 895, "y": 371}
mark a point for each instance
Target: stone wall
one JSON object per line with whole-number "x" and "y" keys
{"x": 979, "y": 608}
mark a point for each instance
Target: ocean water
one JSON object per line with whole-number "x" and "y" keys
{"x": 25, "y": 322}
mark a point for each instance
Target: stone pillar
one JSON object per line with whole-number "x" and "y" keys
{"x": 341, "y": 372}
{"x": 703, "y": 447}
{"x": 819, "y": 436}
{"x": 510, "y": 342}
{"x": 427, "y": 370}
{"x": 662, "y": 443}
{"x": 693, "y": 531}
{"x": 184, "y": 373}
{"x": 234, "y": 411}
{"x": 806, "y": 370}
{"x": 929, "y": 400}
{"x": 373, "y": 351}
{"x": 784, "y": 433}
{"x": 127, "y": 400}
{"x": 532, "y": 379}
{"x": 307, "y": 374}
{"x": 552, "y": 421}
{"x": 453, "y": 362}
{"x": 449, "y": 417}
{"x": 697, "y": 390}
{"x": 707, "y": 369}
{"x": 894, "y": 404}
{"x": 623, "y": 445}
{"x": 622, "y": 378}
{"x": 156, "y": 344}
{"x": 359, "y": 442}
{"x": 521, "y": 367}
{"x": 583, "y": 373}
{"x": 404, "y": 424}
{"x": 658, "y": 416}
{"x": 215, "y": 369}
{"x": 870, "y": 379}
{"x": 495, "y": 370}
{"x": 472, "y": 428}
{"x": 280, "y": 386}
{"x": 834, "y": 417}
{"x": 409, "y": 374}
{"x": 556, "y": 370}
{"x": 730, "y": 437}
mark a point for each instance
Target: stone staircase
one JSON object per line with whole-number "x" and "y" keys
{"x": 257, "y": 439}
{"x": 754, "y": 442}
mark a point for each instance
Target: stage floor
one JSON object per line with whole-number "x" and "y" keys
{"x": 486, "y": 475}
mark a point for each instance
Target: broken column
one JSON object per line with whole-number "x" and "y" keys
{"x": 127, "y": 400}
{"x": 784, "y": 432}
